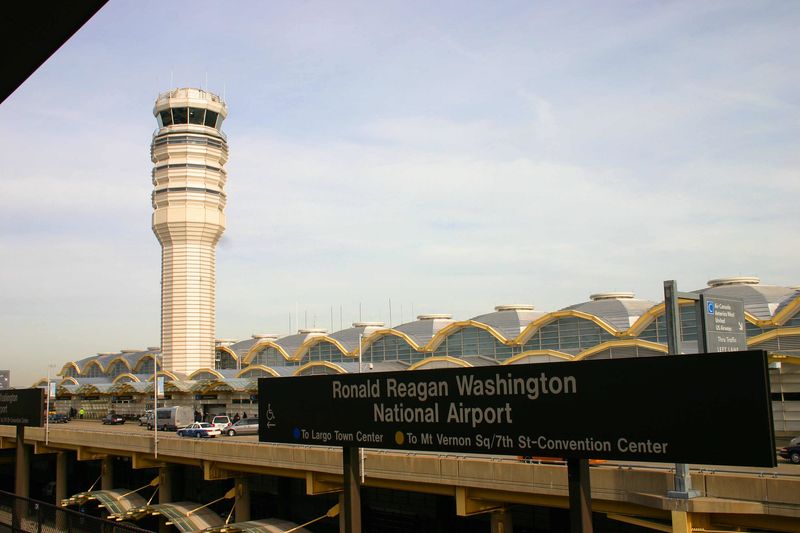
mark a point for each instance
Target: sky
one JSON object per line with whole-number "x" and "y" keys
{"x": 445, "y": 156}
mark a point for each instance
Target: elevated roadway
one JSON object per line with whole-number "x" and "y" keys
{"x": 748, "y": 498}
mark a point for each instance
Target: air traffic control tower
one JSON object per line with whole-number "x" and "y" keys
{"x": 189, "y": 152}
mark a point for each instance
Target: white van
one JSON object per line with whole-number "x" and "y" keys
{"x": 172, "y": 418}
{"x": 221, "y": 422}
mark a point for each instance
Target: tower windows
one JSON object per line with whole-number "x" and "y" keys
{"x": 180, "y": 115}
{"x": 188, "y": 115}
{"x": 166, "y": 118}
{"x": 196, "y": 115}
{"x": 211, "y": 119}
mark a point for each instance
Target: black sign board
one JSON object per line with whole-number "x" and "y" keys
{"x": 22, "y": 407}
{"x": 624, "y": 409}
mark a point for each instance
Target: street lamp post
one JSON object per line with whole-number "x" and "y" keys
{"x": 155, "y": 405}
{"x": 47, "y": 410}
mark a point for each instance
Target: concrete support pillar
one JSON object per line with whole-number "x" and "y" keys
{"x": 242, "y": 511}
{"x": 107, "y": 472}
{"x": 61, "y": 477}
{"x": 285, "y": 497}
{"x": 61, "y": 489}
{"x": 501, "y": 522}
{"x": 166, "y": 475}
{"x": 683, "y": 522}
{"x": 351, "y": 467}
{"x": 22, "y": 483}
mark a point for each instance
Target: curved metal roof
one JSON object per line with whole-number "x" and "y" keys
{"x": 291, "y": 343}
{"x": 509, "y": 320}
{"x": 619, "y": 310}
{"x": 761, "y": 301}
{"x": 349, "y": 337}
{"x": 421, "y": 331}
{"x": 242, "y": 347}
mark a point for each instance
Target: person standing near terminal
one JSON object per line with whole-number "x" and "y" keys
{"x": 82, "y": 412}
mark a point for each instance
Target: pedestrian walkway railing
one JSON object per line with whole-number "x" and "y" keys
{"x": 23, "y": 515}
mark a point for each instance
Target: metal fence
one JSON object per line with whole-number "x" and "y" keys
{"x": 23, "y": 515}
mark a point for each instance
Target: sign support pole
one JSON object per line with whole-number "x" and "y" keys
{"x": 580, "y": 496}
{"x": 352, "y": 489}
{"x": 672, "y": 318}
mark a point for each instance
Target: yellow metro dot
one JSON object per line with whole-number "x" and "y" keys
{"x": 399, "y": 438}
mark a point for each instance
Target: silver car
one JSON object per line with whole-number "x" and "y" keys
{"x": 245, "y": 426}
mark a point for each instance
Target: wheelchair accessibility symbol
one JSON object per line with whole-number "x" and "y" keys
{"x": 270, "y": 416}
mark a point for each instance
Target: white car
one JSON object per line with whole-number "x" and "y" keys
{"x": 199, "y": 430}
{"x": 221, "y": 422}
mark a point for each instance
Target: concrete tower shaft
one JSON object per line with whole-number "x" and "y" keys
{"x": 189, "y": 152}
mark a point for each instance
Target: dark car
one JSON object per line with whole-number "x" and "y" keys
{"x": 792, "y": 453}
{"x": 58, "y": 418}
{"x": 113, "y": 419}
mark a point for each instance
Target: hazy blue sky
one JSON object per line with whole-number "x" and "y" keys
{"x": 451, "y": 156}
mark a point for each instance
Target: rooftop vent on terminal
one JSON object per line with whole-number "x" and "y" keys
{"x": 368, "y": 324}
{"x": 306, "y": 331}
{"x": 736, "y": 280}
{"x": 435, "y": 316}
{"x": 514, "y": 307}
{"x": 259, "y": 336}
{"x": 130, "y": 350}
{"x": 611, "y": 296}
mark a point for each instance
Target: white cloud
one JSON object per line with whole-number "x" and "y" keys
{"x": 536, "y": 153}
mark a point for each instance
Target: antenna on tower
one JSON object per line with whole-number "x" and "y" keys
{"x": 171, "y": 79}
{"x": 390, "y": 312}
{"x": 206, "y": 89}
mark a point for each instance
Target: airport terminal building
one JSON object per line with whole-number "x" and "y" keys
{"x": 607, "y": 326}
{"x": 189, "y": 152}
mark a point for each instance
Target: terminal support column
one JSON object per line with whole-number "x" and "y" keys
{"x": 685, "y": 522}
{"x": 352, "y": 489}
{"x": 580, "y": 496}
{"x": 61, "y": 489}
{"x": 61, "y": 477}
{"x": 107, "y": 472}
{"x": 165, "y": 475}
{"x": 242, "y": 499}
{"x": 501, "y": 522}
{"x": 22, "y": 478}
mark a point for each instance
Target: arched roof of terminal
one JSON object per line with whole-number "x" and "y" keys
{"x": 760, "y": 300}
{"x": 619, "y": 309}
{"x": 618, "y": 319}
